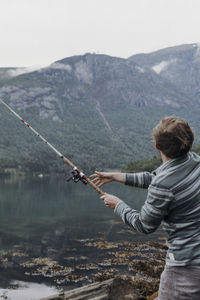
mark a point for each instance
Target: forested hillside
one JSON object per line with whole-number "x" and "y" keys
{"x": 97, "y": 110}
{"x": 149, "y": 164}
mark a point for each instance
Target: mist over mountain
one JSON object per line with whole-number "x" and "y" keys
{"x": 180, "y": 65}
{"x": 97, "y": 110}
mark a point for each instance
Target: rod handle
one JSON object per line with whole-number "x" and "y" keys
{"x": 95, "y": 187}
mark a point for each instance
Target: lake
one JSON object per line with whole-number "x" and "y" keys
{"x": 50, "y": 218}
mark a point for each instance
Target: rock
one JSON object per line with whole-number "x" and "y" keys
{"x": 112, "y": 289}
{"x": 95, "y": 291}
{"x": 123, "y": 289}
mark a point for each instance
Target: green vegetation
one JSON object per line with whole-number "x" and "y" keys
{"x": 143, "y": 165}
{"x": 149, "y": 164}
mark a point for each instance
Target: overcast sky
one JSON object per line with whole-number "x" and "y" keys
{"x": 39, "y": 32}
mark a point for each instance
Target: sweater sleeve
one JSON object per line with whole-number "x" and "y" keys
{"x": 152, "y": 212}
{"x": 142, "y": 179}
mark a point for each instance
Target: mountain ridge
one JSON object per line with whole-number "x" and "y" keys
{"x": 97, "y": 109}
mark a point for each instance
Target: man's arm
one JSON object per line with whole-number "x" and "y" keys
{"x": 152, "y": 213}
{"x": 142, "y": 180}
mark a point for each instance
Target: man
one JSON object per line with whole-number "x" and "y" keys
{"x": 173, "y": 200}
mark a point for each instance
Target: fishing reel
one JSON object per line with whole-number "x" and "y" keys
{"x": 77, "y": 176}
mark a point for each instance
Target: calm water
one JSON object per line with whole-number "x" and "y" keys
{"x": 34, "y": 209}
{"x": 48, "y": 213}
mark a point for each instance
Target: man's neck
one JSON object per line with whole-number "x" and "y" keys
{"x": 164, "y": 157}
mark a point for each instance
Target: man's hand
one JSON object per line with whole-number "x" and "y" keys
{"x": 110, "y": 200}
{"x": 100, "y": 178}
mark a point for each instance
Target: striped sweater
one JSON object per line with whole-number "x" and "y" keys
{"x": 173, "y": 200}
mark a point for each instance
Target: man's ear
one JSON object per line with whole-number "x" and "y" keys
{"x": 156, "y": 145}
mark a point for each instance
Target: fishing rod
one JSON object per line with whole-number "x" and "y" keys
{"x": 77, "y": 175}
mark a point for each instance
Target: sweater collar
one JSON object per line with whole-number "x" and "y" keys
{"x": 172, "y": 162}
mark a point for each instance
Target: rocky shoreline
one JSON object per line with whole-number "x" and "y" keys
{"x": 89, "y": 261}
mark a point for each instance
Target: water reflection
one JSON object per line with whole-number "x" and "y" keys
{"x": 20, "y": 290}
{"x": 31, "y": 210}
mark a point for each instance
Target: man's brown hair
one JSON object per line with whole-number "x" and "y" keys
{"x": 173, "y": 136}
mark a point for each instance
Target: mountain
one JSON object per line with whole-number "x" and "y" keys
{"x": 6, "y": 73}
{"x": 180, "y": 65}
{"x": 97, "y": 110}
